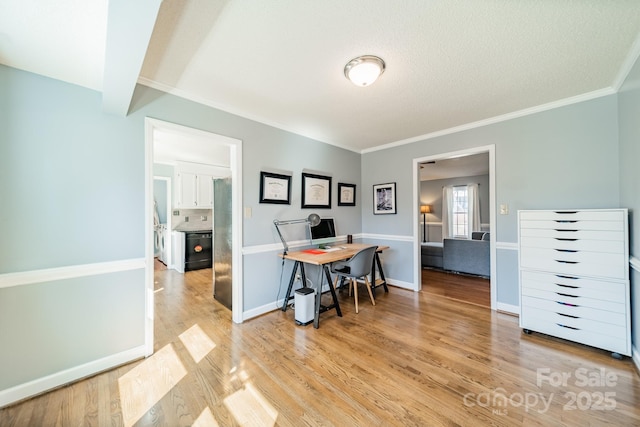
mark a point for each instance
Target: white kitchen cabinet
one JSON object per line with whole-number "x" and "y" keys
{"x": 574, "y": 276}
{"x": 204, "y": 191}
{"x": 194, "y": 190}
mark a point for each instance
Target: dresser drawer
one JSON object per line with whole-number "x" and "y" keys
{"x": 572, "y": 233}
{"x": 573, "y": 244}
{"x": 574, "y": 215}
{"x": 574, "y": 310}
{"x": 568, "y": 299}
{"x": 575, "y": 263}
{"x": 556, "y": 284}
{"x": 573, "y": 225}
{"x": 612, "y": 338}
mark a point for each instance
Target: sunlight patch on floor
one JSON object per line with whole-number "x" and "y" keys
{"x": 197, "y": 343}
{"x": 205, "y": 419}
{"x": 250, "y": 408}
{"x": 143, "y": 386}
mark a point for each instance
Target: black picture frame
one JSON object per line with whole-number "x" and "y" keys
{"x": 316, "y": 191}
{"x": 275, "y": 188}
{"x": 384, "y": 199}
{"x": 346, "y": 194}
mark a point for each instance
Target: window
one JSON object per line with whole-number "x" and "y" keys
{"x": 460, "y": 218}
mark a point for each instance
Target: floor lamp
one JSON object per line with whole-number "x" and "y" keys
{"x": 424, "y": 210}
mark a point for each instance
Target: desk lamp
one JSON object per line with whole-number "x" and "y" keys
{"x": 312, "y": 220}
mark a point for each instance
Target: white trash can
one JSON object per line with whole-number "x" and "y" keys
{"x": 304, "y": 305}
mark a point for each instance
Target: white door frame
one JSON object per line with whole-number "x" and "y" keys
{"x": 235, "y": 148}
{"x": 417, "y": 278}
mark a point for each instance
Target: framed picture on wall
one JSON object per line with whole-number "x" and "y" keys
{"x": 275, "y": 188}
{"x": 346, "y": 194}
{"x": 316, "y": 191}
{"x": 384, "y": 198}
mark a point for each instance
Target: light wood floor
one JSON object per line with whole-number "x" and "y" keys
{"x": 415, "y": 359}
{"x": 460, "y": 287}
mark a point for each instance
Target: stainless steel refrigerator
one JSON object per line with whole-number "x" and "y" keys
{"x": 222, "y": 241}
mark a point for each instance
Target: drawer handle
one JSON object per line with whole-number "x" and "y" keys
{"x": 567, "y": 262}
{"x": 568, "y": 327}
{"x": 573, "y": 231}
{"x": 566, "y": 221}
{"x": 566, "y": 212}
{"x": 568, "y": 315}
{"x": 566, "y": 240}
{"x": 571, "y": 251}
{"x": 566, "y": 277}
{"x": 567, "y": 295}
{"x": 567, "y": 304}
{"x": 567, "y": 286}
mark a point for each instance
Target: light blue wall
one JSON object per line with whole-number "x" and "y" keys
{"x": 563, "y": 158}
{"x": 71, "y": 193}
{"x": 53, "y": 326}
{"x": 71, "y": 178}
{"x": 629, "y": 111}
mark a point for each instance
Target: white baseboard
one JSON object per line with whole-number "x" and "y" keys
{"x": 41, "y": 385}
{"x": 635, "y": 356}
{"x": 259, "y": 311}
{"x": 508, "y": 308}
{"x": 400, "y": 284}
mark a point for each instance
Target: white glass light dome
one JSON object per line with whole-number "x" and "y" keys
{"x": 364, "y": 70}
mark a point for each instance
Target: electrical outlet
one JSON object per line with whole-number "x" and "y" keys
{"x": 203, "y": 218}
{"x": 186, "y": 219}
{"x": 298, "y": 277}
{"x": 176, "y": 213}
{"x": 504, "y": 209}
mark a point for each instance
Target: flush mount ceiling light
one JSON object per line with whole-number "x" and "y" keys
{"x": 364, "y": 70}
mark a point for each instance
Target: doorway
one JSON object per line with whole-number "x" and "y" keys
{"x": 155, "y": 130}
{"x": 421, "y": 230}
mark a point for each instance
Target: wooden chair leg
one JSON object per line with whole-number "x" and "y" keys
{"x": 355, "y": 292}
{"x": 368, "y": 285}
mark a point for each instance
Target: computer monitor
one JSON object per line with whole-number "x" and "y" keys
{"x": 324, "y": 230}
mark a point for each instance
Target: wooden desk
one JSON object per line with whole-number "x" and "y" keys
{"x": 323, "y": 259}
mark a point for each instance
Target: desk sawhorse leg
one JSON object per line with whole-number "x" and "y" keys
{"x": 319, "y": 307}
{"x": 383, "y": 280}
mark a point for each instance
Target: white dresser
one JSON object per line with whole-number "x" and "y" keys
{"x": 574, "y": 276}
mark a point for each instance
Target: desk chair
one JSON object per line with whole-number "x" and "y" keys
{"x": 358, "y": 266}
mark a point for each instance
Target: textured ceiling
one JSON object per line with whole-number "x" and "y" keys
{"x": 450, "y": 64}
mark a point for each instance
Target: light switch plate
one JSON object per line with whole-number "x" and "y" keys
{"x": 504, "y": 209}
